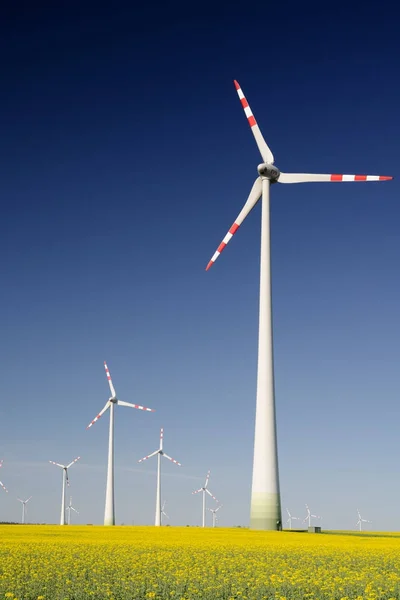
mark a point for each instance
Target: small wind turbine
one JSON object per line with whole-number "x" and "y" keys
{"x": 309, "y": 516}
{"x": 265, "y": 493}
{"x": 1, "y": 483}
{"x": 163, "y": 511}
{"x": 109, "y": 511}
{"x": 205, "y": 491}
{"x": 290, "y": 519}
{"x": 160, "y": 453}
{"x": 65, "y": 481}
{"x": 214, "y": 514}
{"x": 361, "y": 521}
{"x": 24, "y": 502}
{"x": 69, "y": 508}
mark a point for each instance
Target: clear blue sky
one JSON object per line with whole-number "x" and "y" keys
{"x": 125, "y": 157}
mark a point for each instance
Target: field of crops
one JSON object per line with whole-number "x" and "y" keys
{"x": 135, "y": 563}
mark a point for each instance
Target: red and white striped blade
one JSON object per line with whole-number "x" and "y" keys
{"x": 161, "y": 437}
{"x": 197, "y": 491}
{"x": 57, "y": 464}
{"x": 210, "y": 494}
{"x": 73, "y": 462}
{"x": 172, "y": 460}
{"x": 110, "y": 383}
{"x": 3, "y": 486}
{"x": 149, "y": 456}
{"x": 207, "y": 478}
{"x": 316, "y": 177}
{"x": 103, "y": 410}
{"x": 252, "y": 200}
{"x": 265, "y": 151}
{"x": 135, "y": 406}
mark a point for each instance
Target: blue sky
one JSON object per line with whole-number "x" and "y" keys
{"x": 125, "y": 158}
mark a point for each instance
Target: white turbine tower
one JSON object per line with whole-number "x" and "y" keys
{"x": 291, "y": 518}
{"x": 1, "y": 483}
{"x": 65, "y": 481}
{"x": 214, "y": 514}
{"x": 361, "y": 521}
{"x": 24, "y": 502}
{"x": 309, "y": 516}
{"x": 163, "y": 513}
{"x": 265, "y": 495}
{"x": 160, "y": 452}
{"x": 205, "y": 491}
{"x": 109, "y": 511}
{"x": 69, "y": 508}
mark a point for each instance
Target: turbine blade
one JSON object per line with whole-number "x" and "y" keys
{"x": 197, "y": 491}
{"x": 207, "y": 478}
{"x": 107, "y": 405}
{"x": 161, "y": 437}
{"x": 57, "y": 464}
{"x": 135, "y": 406}
{"x": 110, "y": 383}
{"x": 149, "y": 456}
{"x": 73, "y": 462}
{"x": 252, "y": 200}
{"x": 315, "y": 177}
{"x": 28, "y": 499}
{"x": 171, "y": 459}
{"x": 74, "y": 509}
{"x": 287, "y": 510}
{"x": 210, "y": 494}
{"x": 3, "y": 486}
{"x": 265, "y": 151}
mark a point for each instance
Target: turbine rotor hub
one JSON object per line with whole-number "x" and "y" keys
{"x": 113, "y": 400}
{"x": 269, "y": 171}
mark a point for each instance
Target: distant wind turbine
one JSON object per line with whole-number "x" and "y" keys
{"x": 214, "y": 514}
{"x": 290, "y": 519}
{"x": 1, "y": 483}
{"x": 160, "y": 452}
{"x": 69, "y": 508}
{"x": 361, "y": 521}
{"x": 109, "y": 511}
{"x": 309, "y": 516}
{"x": 65, "y": 481}
{"x": 24, "y": 502}
{"x": 163, "y": 512}
{"x": 205, "y": 491}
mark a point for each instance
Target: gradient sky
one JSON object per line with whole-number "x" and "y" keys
{"x": 125, "y": 157}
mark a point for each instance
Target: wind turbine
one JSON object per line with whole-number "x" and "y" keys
{"x": 163, "y": 512}
{"x": 205, "y": 491}
{"x": 309, "y": 516}
{"x": 361, "y": 521}
{"x": 24, "y": 502}
{"x": 214, "y": 514}
{"x": 1, "y": 483}
{"x": 160, "y": 452}
{"x": 65, "y": 482}
{"x": 109, "y": 511}
{"x": 69, "y": 508}
{"x": 290, "y": 519}
{"x": 265, "y": 494}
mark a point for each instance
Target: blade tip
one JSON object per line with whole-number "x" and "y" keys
{"x": 210, "y": 264}
{"x": 237, "y": 86}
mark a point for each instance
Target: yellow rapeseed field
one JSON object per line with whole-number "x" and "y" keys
{"x": 135, "y": 563}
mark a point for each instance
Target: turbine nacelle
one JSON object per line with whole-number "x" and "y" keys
{"x": 114, "y": 400}
{"x": 269, "y": 171}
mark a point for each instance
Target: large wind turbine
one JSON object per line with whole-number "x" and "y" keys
{"x": 65, "y": 481}
{"x": 1, "y": 483}
{"x": 205, "y": 491}
{"x": 109, "y": 512}
{"x": 265, "y": 495}
{"x": 160, "y": 452}
{"x": 24, "y": 502}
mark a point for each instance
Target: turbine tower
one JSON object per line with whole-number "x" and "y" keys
{"x": 361, "y": 521}
{"x": 24, "y": 502}
{"x": 109, "y": 511}
{"x": 214, "y": 514}
{"x": 69, "y": 508}
{"x": 265, "y": 495}
{"x": 290, "y": 519}
{"x": 160, "y": 452}
{"x": 1, "y": 483}
{"x": 205, "y": 491}
{"x": 309, "y": 516}
{"x": 65, "y": 481}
